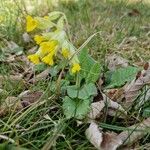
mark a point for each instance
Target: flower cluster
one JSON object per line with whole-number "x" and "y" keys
{"x": 53, "y": 42}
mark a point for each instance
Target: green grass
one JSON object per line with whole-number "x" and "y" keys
{"x": 29, "y": 128}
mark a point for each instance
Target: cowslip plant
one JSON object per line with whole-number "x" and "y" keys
{"x": 57, "y": 52}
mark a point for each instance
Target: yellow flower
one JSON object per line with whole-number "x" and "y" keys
{"x": 46, "y": 17}
{"x": 65, "y": 52}
{"x": 34, "y": 58}
{"x": 48, "y": 59}
{"x": 76, "y": 68}
{"x": 47, "y": 47}
{"x": 31, "y": 23}
{"x": 38, "y": 39}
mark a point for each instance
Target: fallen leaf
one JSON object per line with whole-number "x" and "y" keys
{"x": 112, "y": 141}
{"x": 96, "y": 107}
{"x": 120, "y": 76}
{"x": 40, "y": 76}
{"x": 135, "y": 133}
{"x": 10, "y": 104}
{"x": 26, "y": 37}
{"x": 94, "y": 135}
{"x": 131, "y": 90}
{"x": 115, "y": 61}
{"x": 30, "y": 96}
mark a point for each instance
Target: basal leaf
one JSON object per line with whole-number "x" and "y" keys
{"x": 90, "y": 68}
{"x": 69, "y": 107}
{"x": 60, "y": 23}
{"x": 120, "y": 76}
{"x": 40, "y": 67}
{"x": 75, "y": 107}
{"x": 72, "y": 91}
{"x": 83, "y": 107}
{"x": 83, "y": 93}
{"x": 87, "y": 91}
{"x": 54, "y": 15}
{"x": 94, "y": 73}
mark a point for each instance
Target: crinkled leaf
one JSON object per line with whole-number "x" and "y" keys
{"x": 120, "y": 76}
{"x": 94, "y": 73}
{"x": 53, "y": 71}
{"x": 60, "y": 23}
{"x": 54, "y": 15}
{"x": 83, "y": 93}
{"x": 75, "y": 107}
{"x": 72, "y": 91}
{"x": 90, "y": 68}
{"x": 40, "y": 67}
{"x": 87, "y": 91}
{"x": 44, "y": 24}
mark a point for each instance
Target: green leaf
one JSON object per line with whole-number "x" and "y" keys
{"x": 54, "y": 15}
{"x": 83, "y": 93}
{"x": 44, "y": 24}
{"x": 75, "y": 107}
{"x": 72, "y": 91}
{"x": 90, "y": 68}
{"x": 18, "y": 50}
{"x": 146, "y": 112}
{"x": 120, "y": 76}
{"x": 60, "y": 23}
{"x": 40, "y": 67}
{"x": 53, "y": 71}
{"x": 94, "y": 73}
{"x": 87, "y": 91}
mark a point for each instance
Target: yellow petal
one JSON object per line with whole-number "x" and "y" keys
{"x": 48, "y": 60}
{"x": 65, "y": 53}
{"x": 38, "y": 39}
{"x": 46, "y": 17}
{"x": 34, "y": 58}
{"x": 76, "y": 68}
{"x": 31, "y": 23}
{"x": 47, "y": 47}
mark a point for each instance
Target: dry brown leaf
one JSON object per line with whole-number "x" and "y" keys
{"x": 16, "y": 78}
{"x": 111, "y": 141}
{"x": 9, "y": 59}
{"x": 26, "y": 37}
{"x": 97, "y": 107}
{"x": 115, "y": 61}
{"x": 29, "y": 97}
{"x": 131, "y": 90}
{"x": 115, "y": 94}
{"x": 33, "y": 50}
{"x": 40, "y": 76}
{"x": 100, "y": 140}
{"x": 113, "y": 104}
{"x": 94, "y": 135}
{"x": 135, "y": 133}
{"x": 10, "y": 103}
